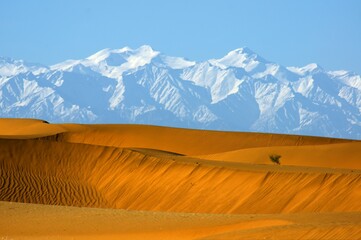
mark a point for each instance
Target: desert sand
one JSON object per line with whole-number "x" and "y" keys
{"x": 72, "y": 181}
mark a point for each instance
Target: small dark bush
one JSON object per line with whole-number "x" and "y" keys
{"x": 275, "y": 158}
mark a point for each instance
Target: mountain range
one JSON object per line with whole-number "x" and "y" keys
{"x": 241, "y": 91}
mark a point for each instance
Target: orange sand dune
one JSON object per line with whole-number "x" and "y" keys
{"x": 27, "y": 128}
{"x": 31, "y": 221}
{"x": 62, "y": 173}
{"x": 340, "y": 155}
{"x": 183, "y": 141}
{"x": 146, "y": 168}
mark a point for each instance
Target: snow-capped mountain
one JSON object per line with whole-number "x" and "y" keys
{"x": 241, "y": 92}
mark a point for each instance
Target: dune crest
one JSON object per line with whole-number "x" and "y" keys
{"x": 14, "y": 128}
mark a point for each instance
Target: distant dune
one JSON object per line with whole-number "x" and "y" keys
{"x": 170, "y": 183}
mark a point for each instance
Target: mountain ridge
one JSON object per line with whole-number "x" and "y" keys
{"x": 241, "y": 91}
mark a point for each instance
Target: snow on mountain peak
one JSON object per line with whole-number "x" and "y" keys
{"x": 145, "y": 48}
{"x": 124, "y": 49}
{"x": 10, "y": 67}
{"x": 66, "y": 65}
{"x": 100, "y": 55}
{"x": 112, "y": 62}
{"x": 243, "y": 50}
{"x": 136, "y": 57}
{"x": 141, "y": 56}
{"x": 176, "y": 62}
{"x": 241, "y": 58}
{"x": 309, "y": 68}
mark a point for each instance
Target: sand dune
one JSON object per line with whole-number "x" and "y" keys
{"x": 86, "y": 175}
{"x": 27, "y": 128}
{"x": 340, "y": 155}
{"x": 182, "y": 141}
{"x": 32, "y": 221}
{"x": 177, "y": 171}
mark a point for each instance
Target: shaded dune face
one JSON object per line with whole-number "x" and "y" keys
{"x": 152, "y": 168}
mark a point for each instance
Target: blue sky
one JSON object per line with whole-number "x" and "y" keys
{"x": 292, "y": 33}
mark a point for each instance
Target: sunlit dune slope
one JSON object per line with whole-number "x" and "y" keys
{"x": 183, "y": 141}
{"x": 340, "y": 155}
{"x": 50, "y": 172}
